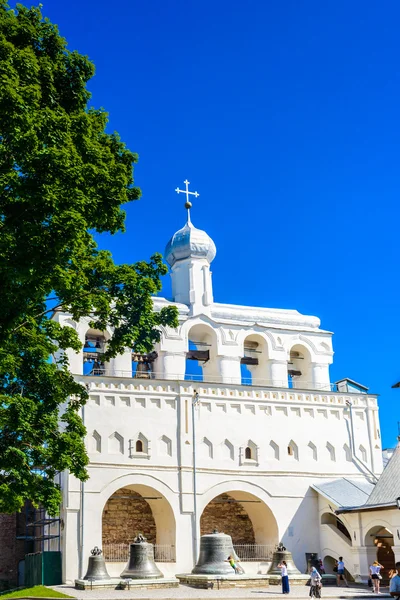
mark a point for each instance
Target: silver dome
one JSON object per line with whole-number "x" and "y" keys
{"x": 187, "y": 242}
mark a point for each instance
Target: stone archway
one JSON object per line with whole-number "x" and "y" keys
{"x": 243, "y": 516}
{"x": 379, "y": 542}
{"x": 229, "y": 517}
{"x": 135, "y": 509}
{"x": 125, "y": 515}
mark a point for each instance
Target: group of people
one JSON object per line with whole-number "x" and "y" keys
{"x": 316, "y": 576}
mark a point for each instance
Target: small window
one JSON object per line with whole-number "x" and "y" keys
{"x": 290, "y": 450}
{"x": 247, "y": 453}
{"x": 139, "y": 446}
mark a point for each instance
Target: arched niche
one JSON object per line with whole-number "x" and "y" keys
{"x": 135, "y": 509}
{"x": 254, "y": 361}
{"x": 299, "y": 367}
{"x": 336, "y": 524}
{"x": 201, "y": 354}
{"x": 243, "y": 516}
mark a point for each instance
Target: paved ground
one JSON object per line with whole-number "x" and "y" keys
{"x": 186, "y": 593}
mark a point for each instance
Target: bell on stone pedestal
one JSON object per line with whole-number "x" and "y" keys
{"x": 279, "y": 555}
{"x": 97, "y": 566}
{"x": 141, "y": 563}
{"x": 214, "y": 551}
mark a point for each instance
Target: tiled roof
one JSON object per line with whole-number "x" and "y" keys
{"x": 387, "y": 490}
{"x": 345, "y": 492}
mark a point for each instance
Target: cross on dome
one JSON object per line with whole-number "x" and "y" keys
{"x": 188, "y": 204}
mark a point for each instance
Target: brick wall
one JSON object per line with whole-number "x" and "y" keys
{"x": 125, "y": 515}
{"x": 11, "y": 552}
{"x": 229, "y": 518}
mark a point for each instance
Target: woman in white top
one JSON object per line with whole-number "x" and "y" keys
{"x": 285, "y": 577}
{"x": 374, "y": 572}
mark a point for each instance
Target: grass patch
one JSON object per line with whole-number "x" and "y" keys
{"x": 38, "y": 591}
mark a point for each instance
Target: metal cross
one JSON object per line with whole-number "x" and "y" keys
{"x": 195, "y": 194}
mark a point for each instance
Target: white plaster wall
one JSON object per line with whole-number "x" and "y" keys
{"x": 238, "y": 414}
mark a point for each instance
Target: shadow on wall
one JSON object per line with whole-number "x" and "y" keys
{"x": 302, "y": 534}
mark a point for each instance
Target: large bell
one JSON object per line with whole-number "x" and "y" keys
{"x": 97, "y": 566}
{"x": 214, "y": 551}
{"x": 141, "y": 563}
{"x": 278, "y": 556}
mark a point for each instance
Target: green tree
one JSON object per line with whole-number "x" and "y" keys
{"x": 63, "y": 178}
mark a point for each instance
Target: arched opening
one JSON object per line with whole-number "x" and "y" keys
{"x": 137, "y": 509}
{"x": 330, "y": 563}
{"x": 201, "y": 354}
{"x": 247, "y": 453}
{"x": 254, "y": 361}
{"x": 93, "y": 350}
{"x": 299, "y": 368}
{"x": 337, "y": 525}
{"x": 247, "y": 519}
{"x": 139, "y": 446}
{"x": 379, "y": 542}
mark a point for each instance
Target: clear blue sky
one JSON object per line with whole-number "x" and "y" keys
{"x": 284, "y": 115}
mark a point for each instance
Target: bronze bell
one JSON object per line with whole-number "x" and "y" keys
{"x": 141, "y": 563}
{"x": 214, "y": 551}
{"x": 142, "y": 371}
{"x": 280, "y": 554}
{"x": 97, "y": 566}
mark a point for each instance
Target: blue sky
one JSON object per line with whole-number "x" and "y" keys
{"x": 284, "y": 115}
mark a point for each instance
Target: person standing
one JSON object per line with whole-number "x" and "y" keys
{"x": 315, "y": 583}
{"x": 374, "y": 572}
{"x": 285, "y": 577}
{"x": 340, "y": 572}
{"x": 394, "y": 587}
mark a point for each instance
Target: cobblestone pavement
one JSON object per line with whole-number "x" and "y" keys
{"x": 184, "y": 592}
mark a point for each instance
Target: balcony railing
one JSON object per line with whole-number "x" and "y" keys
{"x": 120, "y": 552}
{"x": 196, "y": 377}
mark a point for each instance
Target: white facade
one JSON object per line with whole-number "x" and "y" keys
{"x": 263, "y": 438}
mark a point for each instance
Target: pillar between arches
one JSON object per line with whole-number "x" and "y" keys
{"x": 320, "y": 376}
{"x": 229, "y": 369}
{"x": 278, "y": 373}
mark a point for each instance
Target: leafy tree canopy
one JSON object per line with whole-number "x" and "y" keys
{"x": 63, "y": 178}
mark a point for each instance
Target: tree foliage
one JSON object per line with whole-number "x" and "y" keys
{"x": 63, "y": 178}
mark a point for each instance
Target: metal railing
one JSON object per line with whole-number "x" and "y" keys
{"x": 254, "y": 552}
{"x": 120, "y": 552}
{"x": 199, "y": 378}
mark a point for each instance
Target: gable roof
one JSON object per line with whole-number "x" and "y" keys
{"x": 386, "y": 492}
{"x": 345, "y": 492}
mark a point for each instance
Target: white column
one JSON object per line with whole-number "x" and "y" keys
{"x": 121, "y": 365}
{"x": 278, "y": 373}
{"x": 320, "y": 376}
{"x": 173, "y": 365}
{"x": 229, "y": 369}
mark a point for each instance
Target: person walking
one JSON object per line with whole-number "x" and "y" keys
{"x": 394, "y": 587}
{"x": 285, "y": 577}
{"x": 340, "y": 572}
{"x": 315, "y": 583}
{"x": 375, "y": 574}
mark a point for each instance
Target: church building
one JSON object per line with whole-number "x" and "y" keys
{"x": 231, "y": 423}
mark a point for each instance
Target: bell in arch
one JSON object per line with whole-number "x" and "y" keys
{"x": 141, "y": 563}
{"x": 214, "y": 551}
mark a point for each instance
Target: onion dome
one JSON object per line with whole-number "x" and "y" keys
{"x": 189, "y": 242}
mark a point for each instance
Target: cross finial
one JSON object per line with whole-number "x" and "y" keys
{"x": 188, "y": 204}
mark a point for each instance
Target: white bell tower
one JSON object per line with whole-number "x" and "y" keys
{"x": 189, "y": 253}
